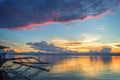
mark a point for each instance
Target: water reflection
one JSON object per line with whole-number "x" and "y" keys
{"x": 101, "y": 67}
{"x": 80, "y": 64}
{"x": 105, "y": 59}
{"x": 64, "y": 67}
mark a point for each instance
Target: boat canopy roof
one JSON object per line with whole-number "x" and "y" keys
{"x": 3, "y": 47}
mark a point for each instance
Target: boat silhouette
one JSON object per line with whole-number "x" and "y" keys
{"x": 6, "y": 69}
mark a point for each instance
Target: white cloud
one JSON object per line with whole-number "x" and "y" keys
{"x": 90, "y": 38}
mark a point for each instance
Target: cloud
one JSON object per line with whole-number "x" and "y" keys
{"x": 90, "y": 38}
{"x": 88, "y": 42}
{"x": 44, "y": 46}
{"x": 117, "y": 45}
{"x": 105, "y": 50}
{"x": 63, "y": 46}
{"x": 25, "y": 14}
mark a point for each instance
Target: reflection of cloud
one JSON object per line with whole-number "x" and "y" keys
{"x": 115, "y": 65}
{"x": 24, "y": 14}
{"x": 87, "y": 67}
{"x": 79, "y": 64}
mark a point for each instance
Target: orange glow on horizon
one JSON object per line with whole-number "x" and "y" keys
{"x": 24, "y": 50}
{"x": 84, "y": 45}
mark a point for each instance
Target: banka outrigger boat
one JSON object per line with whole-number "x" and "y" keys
{"x": 7, "y": 64}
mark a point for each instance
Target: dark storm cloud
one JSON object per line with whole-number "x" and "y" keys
{"x": 23, "y": 14}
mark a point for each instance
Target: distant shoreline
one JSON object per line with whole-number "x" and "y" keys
{"x": 74, "y": 54}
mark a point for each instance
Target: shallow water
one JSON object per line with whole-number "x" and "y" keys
{"x": 65, "y": 67}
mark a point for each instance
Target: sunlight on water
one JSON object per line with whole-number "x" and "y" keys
{"x": 64, "y": 67}
{"x": 81, "y": 65}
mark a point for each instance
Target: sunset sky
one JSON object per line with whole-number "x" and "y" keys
{"x": 60, "y": 25}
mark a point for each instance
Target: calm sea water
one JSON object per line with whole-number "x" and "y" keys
{"x": 65, "y": 67}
